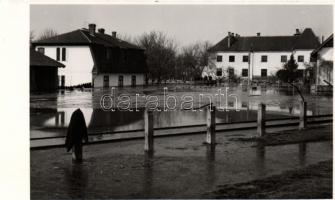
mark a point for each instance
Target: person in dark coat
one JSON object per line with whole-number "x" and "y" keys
{"x": 76, "y": 134}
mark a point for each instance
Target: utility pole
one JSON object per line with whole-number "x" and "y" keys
{"x": 249, "y": 68}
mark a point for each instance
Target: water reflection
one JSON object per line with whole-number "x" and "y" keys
{"x": 76, "y": 179}
{"x": 302, "y": 153}
{"x": 148, "y": 174}
{"x": 260, "y": 159}
{"x": 210, "y": 165}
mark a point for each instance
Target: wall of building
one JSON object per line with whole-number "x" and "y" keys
{"x": 272, "y": 65}
{"x": 114, "y": 80}
{"x": 325, "y": 73}
{"x": 43, "y": 79}
{"x": 78, "y": 64}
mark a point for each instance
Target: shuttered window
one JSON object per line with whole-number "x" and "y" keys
{"x": 264, "y": 58}
{"x": 283, "y": 59}
{"x": 244, "y": 72}
{"x": 58, "y": 54}
{"x": 245, "y": 58}
{"x": 231, "y": 58}
{"x": 63, "y": 54}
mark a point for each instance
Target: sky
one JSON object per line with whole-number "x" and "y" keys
{"x": 186, "y": 24}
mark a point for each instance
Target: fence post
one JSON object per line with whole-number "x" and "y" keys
{"x": 261, "y": 120}
{"x": 303, "y": 110}
{"x": 148, "y": 131}
{"x": 210, "y": 137}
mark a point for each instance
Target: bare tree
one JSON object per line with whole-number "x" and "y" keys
{"x": 161, "y": 55}
{"x": 192, "y": 60}
{"x": 31, "y": 36}
{"x": 47, "y": 33}
{"x": 125, "y": 37}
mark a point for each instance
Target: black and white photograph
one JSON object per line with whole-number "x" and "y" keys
{"x": 179, "y": 101}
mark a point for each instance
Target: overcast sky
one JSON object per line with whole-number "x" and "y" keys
{"x": 185, "y": 23}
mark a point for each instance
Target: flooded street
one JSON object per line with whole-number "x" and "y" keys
{"x": 181, "y": 167}
{"x": 50, "y": 113}
{"x": 122, "y": 170}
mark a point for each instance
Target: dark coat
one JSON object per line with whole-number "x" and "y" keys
{"x": 77, "y": 130}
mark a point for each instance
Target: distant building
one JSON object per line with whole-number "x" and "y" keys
{"x": 95, "y": 57}
{"x": 263, "y": 56}
{"x": 43, "y": 72}
{"x": 324, "y": 64}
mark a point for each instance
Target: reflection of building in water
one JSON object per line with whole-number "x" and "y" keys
{"x": 302, "y": 153}
{"x": 60, "y": 116}
{"x": 114, "y": 120}
{"x": 210, "y": 155}
{"x": 260, "y": 159}
{"x": 76, "y": 178}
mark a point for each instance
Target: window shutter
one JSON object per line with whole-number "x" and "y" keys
{"x": 58, "y": 54}
{"x": 63, "y": 54}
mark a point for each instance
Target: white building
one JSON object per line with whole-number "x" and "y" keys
{"x": 95, "y": 57}
{"x": 324, "y": 63}
{"x": 262, "y": 56}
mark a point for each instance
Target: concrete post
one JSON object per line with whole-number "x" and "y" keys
{"x": 303, "y": 111}
{"x": 148, "y": 131}
{"x": 77, "y": 153}
{"x": 261, "y": 120}
{"x": 210, "y": 138}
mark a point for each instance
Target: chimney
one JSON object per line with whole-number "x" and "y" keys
{"x": 101, "y": 30}
{"x": 297, "y": 32}
{"x": 229, "y": 38}
{"x": 258, "y": 34}
{"x": 322, "y": 39}
{"x": 114, "y": 34}
{"x": 91, "y": 28}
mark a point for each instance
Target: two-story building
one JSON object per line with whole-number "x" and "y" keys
{"x": 261, "y": 56}
{"x": 95, "y": 57}
{"x": 324, "y": 63}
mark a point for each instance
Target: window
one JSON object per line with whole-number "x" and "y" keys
{"x": 264, "y": 72}
{"x": 244, "y": 72}
{"x": 218, "y": 58}
{"x": 63, "y": 54}
{"x": 231, "y": 58}
{"x": 108, "y": 53}
{"x": 264, "y": 58}
{"x": 120, "y": 81}
{"x": 41, "y": 50}
{"x": 58, "y": 54}
{"x": 133, "y": 80}
{"x": 106, "y": 81}
{"x": 245, "y": 58}
{"x": 230, "y": 72}
{"x": 283, "y": 59}
{"x": 62, "y": 81}
{"x": 219, "y": 72}
{"x": 300, "y": 58}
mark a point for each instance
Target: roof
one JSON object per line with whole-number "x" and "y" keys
{"x": 327, "y": 43}
{"x": 39, "y": 59}
{"x": 306, "y": 40}
{"x": 83, "y": 37}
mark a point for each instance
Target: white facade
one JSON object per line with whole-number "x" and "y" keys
{"x": 272, "y": 65}
{"x": 113, "y": 80}
{"x": 78, "y": 63}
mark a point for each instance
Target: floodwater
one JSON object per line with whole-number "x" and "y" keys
{"x": 181, "y": 167}
{"x": 51, "y": 113}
